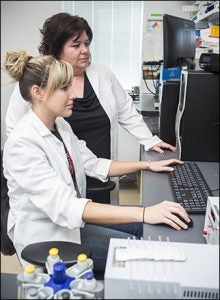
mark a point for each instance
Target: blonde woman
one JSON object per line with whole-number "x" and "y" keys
{"x": 46, "y": 166}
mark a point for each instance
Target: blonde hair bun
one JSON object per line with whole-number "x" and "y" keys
{"x": 15, "y": 63}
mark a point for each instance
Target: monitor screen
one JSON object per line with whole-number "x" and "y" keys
{"x": 179, "y": 42}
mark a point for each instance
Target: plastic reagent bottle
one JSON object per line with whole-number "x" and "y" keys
{"x": 82, "y": 261}
{"x": 83, "y": 264}
{"x": 52, "y": 258}
{"x": 30, "y": 280}
{"x": 88, "y": 284}
{"x": 29, "y": 273}
{"x": 31, "y": 276}
{"x": 90, "y": 281}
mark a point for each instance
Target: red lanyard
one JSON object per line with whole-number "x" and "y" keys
{"x": 70, "y": 161}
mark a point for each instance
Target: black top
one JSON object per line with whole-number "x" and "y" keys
{"x": 90, "y": 122}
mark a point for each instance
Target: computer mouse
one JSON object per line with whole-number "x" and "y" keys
{"x": 190, "y": 224}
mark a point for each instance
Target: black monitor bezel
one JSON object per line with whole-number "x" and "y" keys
{"x": 175, "y": 53}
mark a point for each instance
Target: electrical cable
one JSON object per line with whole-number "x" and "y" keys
{"x": 154, "y": 84}
{"x": 149, "y": 88}
{"x": 153, "y": 81}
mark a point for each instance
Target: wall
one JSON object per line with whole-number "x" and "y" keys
{"x": 20, "y": 24}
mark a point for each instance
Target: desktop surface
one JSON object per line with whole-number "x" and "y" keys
{"x": 156, "y": 188}
{"x": 8, "y": 286}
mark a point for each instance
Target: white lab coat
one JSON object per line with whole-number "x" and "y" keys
{"x": 43, "y": 200}
{"x": 117, "y": 104}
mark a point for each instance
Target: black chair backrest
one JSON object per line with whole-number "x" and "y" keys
{"x": 99, "y": 191}
{"x": 7, "y": 247}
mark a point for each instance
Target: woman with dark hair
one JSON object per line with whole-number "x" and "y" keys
{"x": 101, "y": 102}
{"x": 45, "y": 165}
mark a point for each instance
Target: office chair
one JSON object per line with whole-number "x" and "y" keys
{"x": 7, "y": 247}
{"x": 99, "y": 191}
{"x": 36, "y": 253}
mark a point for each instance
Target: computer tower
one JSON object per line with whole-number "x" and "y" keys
{"x": 197, "y": 119}
{"x": 168, "y": 109}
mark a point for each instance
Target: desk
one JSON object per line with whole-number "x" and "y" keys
{"x": 8, "y": 286}
{"x": 156, "y": 188}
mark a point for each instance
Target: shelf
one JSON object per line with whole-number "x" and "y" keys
{"x": 203, "y": 20}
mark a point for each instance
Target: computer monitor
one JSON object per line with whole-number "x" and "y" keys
{"x": 179, "y": 42}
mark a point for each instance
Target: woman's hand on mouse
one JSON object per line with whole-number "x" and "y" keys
{"x": 163, "y": 165}
{"x": 166, "y": 212}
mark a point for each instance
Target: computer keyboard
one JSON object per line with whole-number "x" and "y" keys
{"x": 189, "y": 187}
{"x": 152, "y": 124}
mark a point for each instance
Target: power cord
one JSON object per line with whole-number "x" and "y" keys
{"x": 149, "y": 88}
{"x": 151, "y": 64}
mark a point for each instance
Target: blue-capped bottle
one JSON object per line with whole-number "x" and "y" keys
{"x": 88, "y": 284}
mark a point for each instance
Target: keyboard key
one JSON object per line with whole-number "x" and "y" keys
{"x": 189, "y": 187}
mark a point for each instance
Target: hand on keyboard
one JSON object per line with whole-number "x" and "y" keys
{"x": 163, "y": 165}
{"x": 162, "y": 145}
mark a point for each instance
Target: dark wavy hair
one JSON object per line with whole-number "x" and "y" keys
{"x": 58, "y": 29}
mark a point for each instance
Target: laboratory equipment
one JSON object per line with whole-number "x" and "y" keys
{"x": 145, "y": 269}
